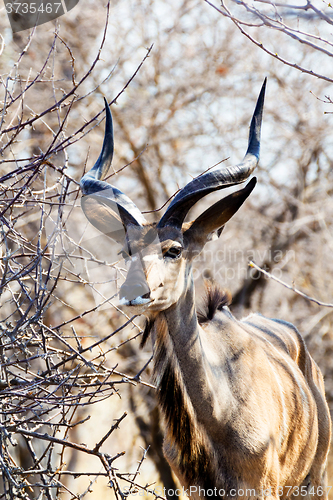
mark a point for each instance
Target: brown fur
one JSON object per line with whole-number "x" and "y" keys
{"x": 237, "y": 396}
{"x": 243, "y": 401}
{"x": 215, "y": 299}
{"x": 186, "y": 441}
{"x": 146, "y": 332}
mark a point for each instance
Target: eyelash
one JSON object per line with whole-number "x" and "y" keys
{"x": 173, "y": 253}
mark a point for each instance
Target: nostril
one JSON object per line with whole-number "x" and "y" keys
{"x": 130, "y": 291}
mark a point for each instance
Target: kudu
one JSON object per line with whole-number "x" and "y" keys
{"x": 243, "y": 401}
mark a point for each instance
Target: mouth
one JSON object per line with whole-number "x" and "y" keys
{"x": 138, "y": 301}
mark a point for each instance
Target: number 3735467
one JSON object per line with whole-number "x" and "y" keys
{"x": 32, "y": 7}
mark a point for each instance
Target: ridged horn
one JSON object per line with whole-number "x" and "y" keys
{"x": 102, "y": 203}
{"x": 218, "y": 179}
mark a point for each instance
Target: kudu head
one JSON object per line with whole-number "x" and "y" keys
{"x": 160, "y": 255}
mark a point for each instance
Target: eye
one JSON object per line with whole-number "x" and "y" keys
{"x": 173, "y": 253}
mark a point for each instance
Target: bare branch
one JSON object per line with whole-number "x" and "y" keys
{"x": 290, "y": 287}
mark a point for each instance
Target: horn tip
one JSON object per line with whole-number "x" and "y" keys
{"x": 252, "y": 183}
{"x": 255, "y": 126}
{"x": 108, "y": 116}
{"x": 260, "y": 102}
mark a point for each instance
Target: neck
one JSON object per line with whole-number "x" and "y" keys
{"x": 199, "y": 360}
{"x": 186, "y": 389}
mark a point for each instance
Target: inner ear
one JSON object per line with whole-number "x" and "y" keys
{"x": 104, "y": 218}
{"x": 215, "y": 217}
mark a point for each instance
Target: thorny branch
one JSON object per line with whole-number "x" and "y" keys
{"x": 284, "y": 19}
{"x": 51, "y": 376}
{"x": 290, "y": 287}
{"x": 60, "y": 325}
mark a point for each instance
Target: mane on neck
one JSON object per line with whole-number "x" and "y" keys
{"x": 192, "y": 453}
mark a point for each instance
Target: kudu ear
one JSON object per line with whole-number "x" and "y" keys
{"x": 105, "y": 206}
{"x": 104, "y": 217}
{"x": 211, "y": 222}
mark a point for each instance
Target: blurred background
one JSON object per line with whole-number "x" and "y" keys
{"x": 77, "y": 421}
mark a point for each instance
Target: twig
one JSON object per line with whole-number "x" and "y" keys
{"x": 290, "y": 287}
